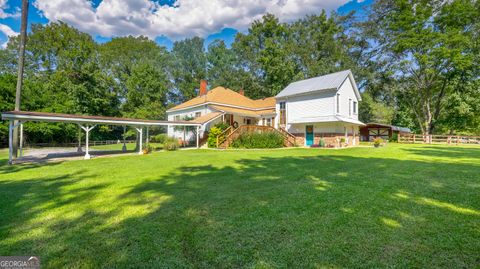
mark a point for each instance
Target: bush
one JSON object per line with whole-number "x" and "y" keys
{"x": 171, "y": 144}
{"x": 221, "y": 125}
{"x": 377, "y": 142}
{"x": 258, "y": 140}
{"x": 394, "y": 138}
{"x": 147, "y": 149}
{"x": 212, "y": 136}
{"x": 321, "y": 143}
{"x": 160, "y": 138}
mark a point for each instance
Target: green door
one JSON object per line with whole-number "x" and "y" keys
{"x": 309, "y": 135}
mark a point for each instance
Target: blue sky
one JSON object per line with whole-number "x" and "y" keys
{"x": 165, "y": 20}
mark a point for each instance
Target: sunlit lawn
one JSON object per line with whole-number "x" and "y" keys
{"x": 400, "y": 206}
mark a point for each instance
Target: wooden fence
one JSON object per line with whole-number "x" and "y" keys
{"x": 438, "y": 139}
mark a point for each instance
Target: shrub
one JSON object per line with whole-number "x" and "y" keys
{"x": 377, "y": 142}
{"x": 221, "y": 125}
{"x": 171, "y": 144}
{"x": 342, "y": 140}
{"x": 258, "y": 140}
{"x": 212, "y": 136}
{"x": 321, "y": 143}
{"x": 147, "y": 149}
{"x": 394, "y": 138}
{"x": 160, "y": 138}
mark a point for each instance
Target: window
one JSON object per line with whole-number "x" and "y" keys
{"x": 338, "y": 103}
{"x": 350, "y": 107}
{"x": 269, "y": 122}
{"x": 354, "y": 107}
{"x": 176, "y": 118}
{"x": 198, "y": 114}
{"x": 283, "y": 115}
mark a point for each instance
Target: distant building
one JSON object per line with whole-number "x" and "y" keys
{"x": 385, "y": 131}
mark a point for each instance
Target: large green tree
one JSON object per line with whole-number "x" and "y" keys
{"x": 428, "y": 48}
{"x": 189, "y": 67}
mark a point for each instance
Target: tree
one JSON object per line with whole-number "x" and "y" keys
{"x": 189, "y": 67}
{"x": 427, "y": 49}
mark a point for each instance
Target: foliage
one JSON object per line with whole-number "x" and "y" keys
{"x": 160, "y": 138}
{"x": 252, "y": 140}
{"x": 321, "y": 143}
{"x": 213, "y": 135}
{"x": 147, "y": 148}
{"x": 171, "y": 144}
{"x": 377, "y": 142}
{"x": 394, "y": 138}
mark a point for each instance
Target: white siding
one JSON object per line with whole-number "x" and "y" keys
{"x": 182, "y": 113}
{"x": 311, "y": 105}
{"x": 347, "y": 93}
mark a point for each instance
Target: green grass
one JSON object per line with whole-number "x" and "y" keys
{"x": 130, "y": 146}
{"x": 399, "y": 206}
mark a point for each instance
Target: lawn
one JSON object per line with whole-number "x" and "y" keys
{"x": 399, "y": 206}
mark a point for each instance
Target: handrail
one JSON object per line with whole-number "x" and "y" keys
{"x": 246, "y": 128}
{"x": 223, "y": 135}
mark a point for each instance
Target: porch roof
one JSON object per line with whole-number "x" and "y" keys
{"x": 208, "y": 117}
{"x": 244, "y": 112}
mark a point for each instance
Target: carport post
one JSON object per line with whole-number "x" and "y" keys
{"x": 140, "y": 150}
{"x": 87, "y": 134}
{"x": 10, "y": 143}
{"x": 21, "y": 139}
{"x": 124, "y": 147}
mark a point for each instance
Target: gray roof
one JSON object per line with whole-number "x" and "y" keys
{"x": 394, "y": 128}
{"x": 326, "y": 82}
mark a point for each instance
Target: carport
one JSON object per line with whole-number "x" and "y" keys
{"x": 85, "y": 123}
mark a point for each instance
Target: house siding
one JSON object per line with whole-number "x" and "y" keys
{"x": 347, "y": 93}
{"x": 182, "y": 113}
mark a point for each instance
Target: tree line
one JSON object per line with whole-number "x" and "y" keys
{"x": 416, "y": 63}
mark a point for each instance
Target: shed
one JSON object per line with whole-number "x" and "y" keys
{"x": 373, "y": 130}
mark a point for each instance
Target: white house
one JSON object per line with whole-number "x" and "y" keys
{"x": 322, "y": 107}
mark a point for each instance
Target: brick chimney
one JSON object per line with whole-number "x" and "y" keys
{"x": 241, "y": 91}
{"x": 203, "y": 87}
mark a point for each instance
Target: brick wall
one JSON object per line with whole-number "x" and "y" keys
{"x": 331, "y": 139}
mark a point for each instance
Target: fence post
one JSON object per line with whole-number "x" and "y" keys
{"x": 413, "y": 138}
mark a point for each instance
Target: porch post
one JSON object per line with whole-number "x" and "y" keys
{"x": 198, "y": 137}
{"x": 139, "y": 130}
{"x": 124, "y": 147}
{"x": 147, "y": 140}
{"x": 184, "y": 131}
{"x": 21, "y": 139}
{"x": 10, "y": 143}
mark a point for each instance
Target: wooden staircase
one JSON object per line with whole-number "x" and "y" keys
{"x": 229, "y": 135}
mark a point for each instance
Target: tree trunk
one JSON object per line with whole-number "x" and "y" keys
{"x": 21, "y": 65}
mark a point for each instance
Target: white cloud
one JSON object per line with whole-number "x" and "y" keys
{"x": 6, "y": 30}
{"x": 184, "y": 19}
{"x": 3, "y": 14}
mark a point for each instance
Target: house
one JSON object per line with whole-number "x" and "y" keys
{"x": 324, "y": 107}
{"x": 373, "y": 130}
{"x": 220, "y": 105}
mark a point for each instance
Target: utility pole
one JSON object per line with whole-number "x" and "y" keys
{"x": 21, "y": 65}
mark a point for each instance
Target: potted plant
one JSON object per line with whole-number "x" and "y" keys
{"x": 147, "y": 149}
{"x": 321, "y": 143}
{"x": 377, "y": 142}
{"x": 342, "y": 142}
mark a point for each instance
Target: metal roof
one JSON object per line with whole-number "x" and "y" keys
{"x": 83, "y": 119}
{"x": 394, "y": 128}
{"x": 331, "y": 81}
